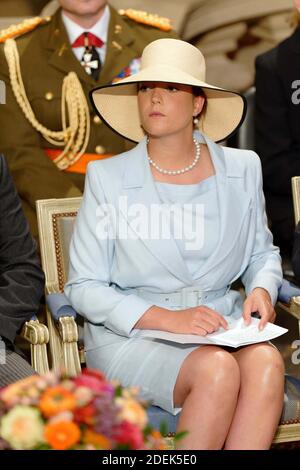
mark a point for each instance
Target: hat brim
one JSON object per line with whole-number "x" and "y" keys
{"x": 117, "y": 104}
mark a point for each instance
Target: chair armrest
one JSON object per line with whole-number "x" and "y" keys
{"x": 68, "y": 329}
{"x": 37, "y": 335}
{"x": 288, "y": 291}
{"x": 64, "y": 345}
{"x": 59, "y": 306}
{"x": 35, "y": 332}
{"x": 289, "y": 299}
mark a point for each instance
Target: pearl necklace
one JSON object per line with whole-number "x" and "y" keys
{"x": 183, "y": 170}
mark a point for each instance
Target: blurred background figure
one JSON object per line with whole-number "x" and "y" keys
{"x": 49, "y": 131}
{"x": 21, "y": 279}
{"x": 277, "y": 132}
{"x": 231, "y": 34}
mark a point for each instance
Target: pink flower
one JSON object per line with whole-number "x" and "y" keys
{"x": 129, "y": 434}
{"x": 95, "y": 381}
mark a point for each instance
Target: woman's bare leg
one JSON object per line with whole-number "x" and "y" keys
{"x": 261, "y": 398}
{"x": 207, "y": 389}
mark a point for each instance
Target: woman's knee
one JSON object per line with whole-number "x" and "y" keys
{"x": 266, "y": 357}
{"x": 210, "y": 370}
{"x": 216, "y": 367}
{"x": 263, "y": 367}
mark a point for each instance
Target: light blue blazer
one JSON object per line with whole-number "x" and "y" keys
{"x": 103, "y": 271}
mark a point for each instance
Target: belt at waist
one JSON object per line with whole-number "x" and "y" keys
{"x": 81, "y": 164}
{"x": 186, "y": 297}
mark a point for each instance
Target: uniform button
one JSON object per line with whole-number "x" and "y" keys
{"x": 49, "y": 96}
{"x": 100, "y": 149}
{"x": 97, "y": 120}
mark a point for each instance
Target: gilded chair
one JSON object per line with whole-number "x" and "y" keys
{"x": 56, "y": 220}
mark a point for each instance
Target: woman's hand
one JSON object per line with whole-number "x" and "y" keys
{"x": 199, "y": 320}
{"x": 259, "y": 301}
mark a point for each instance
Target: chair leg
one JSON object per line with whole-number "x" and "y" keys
{"x": 55, "y": 343}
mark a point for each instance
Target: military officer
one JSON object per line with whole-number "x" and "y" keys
{"x": 48, "y": 129}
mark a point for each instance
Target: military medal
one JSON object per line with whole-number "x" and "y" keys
{"x": 88, "y": 62}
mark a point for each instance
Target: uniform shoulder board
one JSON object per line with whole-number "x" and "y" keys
{"x": 18, "y": 29}
{"x": 147, "y": 18}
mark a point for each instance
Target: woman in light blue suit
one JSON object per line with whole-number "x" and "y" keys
{"x": 162, "y": 232}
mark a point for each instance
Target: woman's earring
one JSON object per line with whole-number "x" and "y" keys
{"x": 196, "y": 121}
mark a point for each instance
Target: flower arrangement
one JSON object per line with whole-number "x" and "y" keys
{"x": 84, "y": 412}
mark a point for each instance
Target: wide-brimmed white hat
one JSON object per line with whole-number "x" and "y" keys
{"x": 174, "y": 61}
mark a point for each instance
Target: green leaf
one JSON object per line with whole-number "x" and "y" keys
{"x": 118, "y": 391}
{"x": 180, "y": 435}
{"x": 163, "y": 428}
{"x": 147, "y": 430}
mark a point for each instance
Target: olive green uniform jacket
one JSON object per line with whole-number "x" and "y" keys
{"x": 46, "y": 57}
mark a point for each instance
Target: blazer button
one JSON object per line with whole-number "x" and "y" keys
{"x": 100, "y": 149}
{"x": 97, "y": 120}
{"x": 49, "y": 96}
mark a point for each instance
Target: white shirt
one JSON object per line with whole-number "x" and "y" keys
{"x": 100, "y": 29}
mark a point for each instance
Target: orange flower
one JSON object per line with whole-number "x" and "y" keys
{"x": 98, "y": 440}
{"x": 55, "y": 400}
{"x": 62, "y": 435}
{"x": 158, "y": 442}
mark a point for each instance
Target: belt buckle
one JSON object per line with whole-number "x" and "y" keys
{"x": 185, "y": 292}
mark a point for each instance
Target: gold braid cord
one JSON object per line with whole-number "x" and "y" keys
{"x": 147, "y": 18}
{"x": 75, "y": 134}
{"x": 17, "y": 29}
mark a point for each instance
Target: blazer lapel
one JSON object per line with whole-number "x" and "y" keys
{"x": 233, "y": 202}
{"x": 139, "y": 187}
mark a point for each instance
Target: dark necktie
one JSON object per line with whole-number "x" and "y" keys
{"x": 90, "y": 59}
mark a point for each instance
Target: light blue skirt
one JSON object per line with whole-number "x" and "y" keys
{"x": 152, "y": 365}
